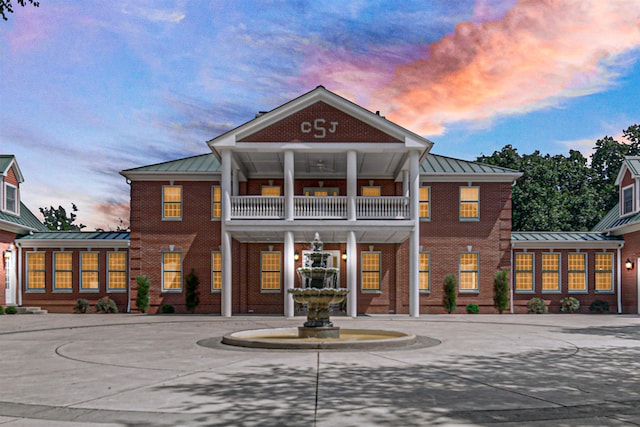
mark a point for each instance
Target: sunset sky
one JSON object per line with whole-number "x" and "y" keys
{"x": 89, "y": 88}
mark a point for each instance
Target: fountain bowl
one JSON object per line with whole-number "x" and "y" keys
{"x": 350, "y": 339}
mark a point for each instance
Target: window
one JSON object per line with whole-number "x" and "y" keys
{"x": 469, "y": 272}
{"x": 577, "y": 273}
{"x": 116, "y": 271}
{"x": 425, "y": 206}
{"x": 171, "y": 271}
{"x": 216, "y": 271}
{"x": 371, "y": 191}
{"x": 89, "y": 271}
{"x": 10, "y": 198}
{"x": 171, "y": 202}
{"x": 216, "y": 202}
{"x": 35, "y": 271}
{"x": 469, "y": 203}
{"x": 627, "y": 200}
{"x": 270, "y": 271}
{"x": 371, "y": 274}
{"x": 424, "y": 278}
{"x": 604, "y": 272}
{"x": 524, "y": 272}
{"x": 320, "y": 191}
{"x": 62, "y": 271}
{"x": 270, "y": 190}
{"x": 550, "y": 272}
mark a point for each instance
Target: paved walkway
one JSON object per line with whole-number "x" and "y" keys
{"x": 137, "y": 370}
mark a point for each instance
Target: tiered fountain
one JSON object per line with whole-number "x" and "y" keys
{"x": 318, "y": 293}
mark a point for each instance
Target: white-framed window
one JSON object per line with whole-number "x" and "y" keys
{"x": 424, "y": 272}
{"x": 577, "y": 272}
{"x": 216, "y": 271}
{"x": 550, "y": 273}
{"x": 627, "y": 200}
{"x": 604, "y": 272}
{"x": 469, "y": 272}
{"x": 63, "y": 271}
{"x": 270, "y": 271}
{"x": 11, "y": 202}
{"x": 172, "y": 202}
{"x": 216, "y": 202}
{"x": 116, "y": 271}
{"x": 425, "y": 203}
{"x": 371, "y": 271}
{"x": 524, "y": 272}
{"x": 89, "y": 272}
{"x": 36, "y": 272}
{"x": 469, "y": 203}
{"x": 171, "y": 271}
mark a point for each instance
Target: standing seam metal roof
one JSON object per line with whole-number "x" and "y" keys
{"x": 202, "y": 163}
{"x": 561, "y": 236}
{"x": 434, "y": 163}
{"x": 77, "y": 235}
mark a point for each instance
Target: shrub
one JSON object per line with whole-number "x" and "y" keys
{"x": 106, "y": 305}
{"x": 598, "y": 306}
{"x": 167, "y": 308}
{"x": 569, "y": 305}
{"x": 473, "y": 309}
{"x": 82, "y": 306}
{"x": 1, "y": 310}
{"x": 501, "y": 290}
{"x": 450, "y": 293}
{"x": 142, "y": 298}
{"x": 192, "y": 295}
{"x": 11, "y": 310}
{"x": 537, "y": 305}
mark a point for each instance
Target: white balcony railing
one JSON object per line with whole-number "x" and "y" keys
{"x": 331, "y": 207}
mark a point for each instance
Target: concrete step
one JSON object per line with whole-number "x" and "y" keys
{"x": 31, "y": 310}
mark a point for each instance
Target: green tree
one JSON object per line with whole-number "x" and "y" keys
{"x": 450, "y": 293}
{"x": 142, "y": 296}
{"x": 192, "y": 294}
{"x": 7, "y": 7}
{"x": 57, "y": 219}
{"x": 501, "y": 290}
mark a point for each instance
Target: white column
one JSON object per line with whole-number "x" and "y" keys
{"x": 227, "y": 262}
{"x": 289, "y": 273}
{"x": 236, "y": 182}
{"x": 414, "y": 238}
{"x": 288, "y": 184}
{"x": 352, "y": 184}
{"x": 405, "y": 183}
{"x": 352, "y": 274}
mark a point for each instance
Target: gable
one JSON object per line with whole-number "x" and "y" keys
{"x": 319, "y": 122}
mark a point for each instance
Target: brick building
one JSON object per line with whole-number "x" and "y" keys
{"x": 396, "y": 218}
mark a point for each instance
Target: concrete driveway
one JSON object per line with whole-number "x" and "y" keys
{"x": 149, "y": 370}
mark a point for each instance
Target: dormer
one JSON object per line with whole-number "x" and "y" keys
{"x": 628, "y": 182}
{"x": 10, "y": 185}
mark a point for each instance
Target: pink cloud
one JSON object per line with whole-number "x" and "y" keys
{"x": 107, "y": 216}
{"x": 539, "y": 53}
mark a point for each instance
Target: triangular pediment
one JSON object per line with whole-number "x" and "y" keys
{"x": 320, "y": 116}
{"x": 320, "y": 122}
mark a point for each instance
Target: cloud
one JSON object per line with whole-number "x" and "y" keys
{"x": 111, "y": 214}
{"x": 540, "y": 53}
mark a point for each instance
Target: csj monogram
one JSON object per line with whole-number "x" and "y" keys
{"x": 319, "y": 127}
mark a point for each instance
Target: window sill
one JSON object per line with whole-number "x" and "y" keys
{"x": 116, "y": 291}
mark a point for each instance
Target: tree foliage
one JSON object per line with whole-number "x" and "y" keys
{"x": 565, "y": 193}
{"x": 57, "y": 219}
{"x": 501, "y": 290}
{"x": 450, "y": 293}
{"x": 7, "y": 7}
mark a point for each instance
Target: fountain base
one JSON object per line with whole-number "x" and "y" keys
{"x": 319, "y": 332}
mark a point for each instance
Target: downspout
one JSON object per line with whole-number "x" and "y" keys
{"x": 129, "y": 273}
{"x": 511, "y": 281}
{"x": 619, "y": 280}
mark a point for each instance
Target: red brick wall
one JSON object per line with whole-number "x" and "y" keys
{"x": 445, "y": 237}
{"x": 629, "y": 281}
{"x": 520, "y": 299}
{"x": 347, "y": 129}
{"x": 63, "y": 301}
{"x": 196, "y": 235}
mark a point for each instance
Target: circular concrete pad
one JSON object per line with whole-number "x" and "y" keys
{"x": 287, "y": 338}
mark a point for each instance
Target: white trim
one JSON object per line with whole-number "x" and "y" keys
{"x": 634, "y": 203}
{"x": 16, "y": 200}
{"x": 162, "y": 271}
{"x": 81, "y": 288}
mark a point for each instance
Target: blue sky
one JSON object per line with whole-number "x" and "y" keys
{"x": 94, "y": 87}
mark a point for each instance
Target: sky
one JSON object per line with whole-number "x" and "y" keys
{"x": 90, "y": 88}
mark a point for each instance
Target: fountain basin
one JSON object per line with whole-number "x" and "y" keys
{"x": 318, "y": 302}
{"x": 350, "y": 339}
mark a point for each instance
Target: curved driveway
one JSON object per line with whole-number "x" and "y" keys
{"x": 137, "y": 370}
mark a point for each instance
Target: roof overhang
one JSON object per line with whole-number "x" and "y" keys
{"x": 469, "y": 177}
{"x": 170, "y": 176}
{"x": 15, "y": 228}
{"x": 72, "y": 243}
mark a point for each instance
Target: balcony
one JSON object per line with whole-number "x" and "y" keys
{"x": 331, "y": 207}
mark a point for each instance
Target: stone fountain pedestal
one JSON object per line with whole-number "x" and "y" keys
{"x": 318, "y": 301}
